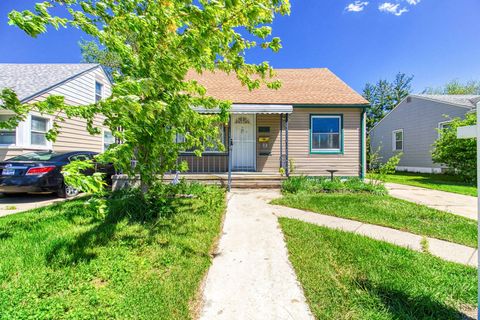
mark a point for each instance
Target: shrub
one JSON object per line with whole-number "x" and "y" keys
{"x": 164, "y": 200}
{"x": 460, "y": 155}
{"x": 320, "y": 184}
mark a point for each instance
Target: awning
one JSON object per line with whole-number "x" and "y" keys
{"x": 253, "y": 109}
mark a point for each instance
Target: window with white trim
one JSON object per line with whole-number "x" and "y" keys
{"x": 98, "y": 91}
{"x": 442, "y": 126}
{"x": 108, "y": 139}
{"x": 325, "y": 133}
{"x": 397, "y": 140}
{"x": 38, "y": 131}
{"x": 7, "y": 136}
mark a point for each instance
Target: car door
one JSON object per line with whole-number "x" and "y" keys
{"x": 83, "y": 157}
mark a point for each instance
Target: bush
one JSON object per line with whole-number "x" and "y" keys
{"x": 164, "y": 200}
{"x": 459, "y": 155}
{"x": 318, "y": 185}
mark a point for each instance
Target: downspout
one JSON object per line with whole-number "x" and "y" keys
{"x": 230, "y": 159}
{"x": 287, "y": 167}
{"x": 362, "y": 145}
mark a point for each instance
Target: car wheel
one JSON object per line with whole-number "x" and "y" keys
{"x": 67, "y": 192}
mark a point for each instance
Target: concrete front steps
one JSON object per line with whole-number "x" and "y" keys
{"x": 244, "y": 180}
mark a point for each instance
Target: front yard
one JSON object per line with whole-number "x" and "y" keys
{"x": 442, "y": 182}
{"x": 347, "y": 276}
{"x": 387, "y": 211}
{"x": 63, "y": 262}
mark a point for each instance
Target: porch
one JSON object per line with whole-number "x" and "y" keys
{"x": 237, "y": 179}
{"x": 256, "y": 142}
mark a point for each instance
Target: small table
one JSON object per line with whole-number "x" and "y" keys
{"x": 331, "y": 173}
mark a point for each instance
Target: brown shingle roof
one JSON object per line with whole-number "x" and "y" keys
{"x": 299, "y": 86}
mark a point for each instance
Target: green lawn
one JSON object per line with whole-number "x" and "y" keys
{"x": 440, "y": 182}
{"x": 61, "y": 263}
{"x": 347, "y": 276}
{"x": 387, "y": 211}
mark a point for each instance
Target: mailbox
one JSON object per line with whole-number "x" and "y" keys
{"x": 264, "y": 145}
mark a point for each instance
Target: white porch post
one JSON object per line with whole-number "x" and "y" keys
{"x": 474, "y": 132}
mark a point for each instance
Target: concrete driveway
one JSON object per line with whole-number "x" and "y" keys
{"x": 459, "y": 204}
{"x": 23, "y": 202}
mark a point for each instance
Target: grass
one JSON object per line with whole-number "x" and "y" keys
{"x": 60, "y": 262}
{"x": 388, "y": 211}
{"x": 347, "y": 276}
{"x": 440, "y": 182}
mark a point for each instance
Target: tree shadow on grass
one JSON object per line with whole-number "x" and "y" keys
{"x": 83, "y": 248}
{"x": 400, "y": 305}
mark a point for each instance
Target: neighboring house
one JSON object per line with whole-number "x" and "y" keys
{"x": 313, "y": 123}
{"x": 80, "y": 84}
{"x": 413, "y": 126}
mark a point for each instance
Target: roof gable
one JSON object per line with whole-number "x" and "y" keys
{"x": 299, "y": 86}
{"x": 30, "y": 80}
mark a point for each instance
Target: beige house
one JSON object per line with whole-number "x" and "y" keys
{"x": 80, "y": 84}
{"x": 313, "y": 123}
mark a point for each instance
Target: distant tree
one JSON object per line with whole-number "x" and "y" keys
{"x": 456, "y": 87}
{"x": 384, "y": 96}
{"x": 93, "y": 53}
{"x": 459, "y": 155}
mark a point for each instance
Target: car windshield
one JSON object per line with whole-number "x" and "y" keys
{"x": 35, "y": 156}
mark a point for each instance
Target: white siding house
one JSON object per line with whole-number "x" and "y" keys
{"x": 80, "y": 84}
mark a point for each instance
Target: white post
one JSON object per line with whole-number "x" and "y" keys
{"x": 478, "y": 207}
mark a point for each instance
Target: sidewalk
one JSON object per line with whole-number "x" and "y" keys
{"x": 443, "y": 249}
{"x": 251, "y": 276}
{"x": 459, "y": 204}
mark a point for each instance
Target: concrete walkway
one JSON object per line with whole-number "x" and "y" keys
{"x": 251, "y": 276}
{"x": 443, "y": 249}
{"x": 15, "y": 204}
{"x": 459, "y": 204}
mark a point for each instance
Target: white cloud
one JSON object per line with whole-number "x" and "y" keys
{"x": 413, "y": 2}
{"x": 393, "y": 8}
{"x": 358, "y": 6}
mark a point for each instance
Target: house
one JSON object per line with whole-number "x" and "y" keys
{"x": 80, "y": 84}
{"x": 413, "y": 126}
{"x": 313, "y": 123}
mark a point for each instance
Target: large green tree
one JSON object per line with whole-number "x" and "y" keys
{"x": 384, "y": 96}
{"x": 456, "y": 87}
{"x": 459, "y": 155}
{"x": 154, "y": 44}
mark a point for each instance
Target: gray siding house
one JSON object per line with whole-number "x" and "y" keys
{"x": 412, "y": 128}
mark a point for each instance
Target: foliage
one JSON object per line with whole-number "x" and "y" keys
{"x": 321, "y": 185}
{"x": 74, "y": 175}
{"x": 157, "y": 43}
{"x": 442, "y": 182}
{"x": 92, "y": 53}
{"x": 378, "y": 170}
{"x": 384, "y": 96}
{"x": 456, "y": 87}
{"x": 459, "y": 155}
{"x": 59, "y": 262}
{"x": 387, "y": 211}
{"x": 363, "y": 278}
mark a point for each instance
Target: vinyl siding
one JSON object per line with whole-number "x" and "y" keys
{"x": 347, "y": 164}
{"x": 419, "y": 120}
{"x": 271, "y": 163}
{"x": 73, "y": 133}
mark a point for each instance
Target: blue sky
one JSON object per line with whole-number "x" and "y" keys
{"x": 361, "y": 41}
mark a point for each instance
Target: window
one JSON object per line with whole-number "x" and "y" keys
{"x": 80, "y": 157}
{"x": 39, "y": 128}
{"x": 180, "y": 138}
{"x": 326, "y": 134}
{"x": 7, "y": 136}
{"x": 397, "y": 140}
{"x": 108, "y": 139}
{"x": 98, "y": 91}
{"x": 443, "y": 126}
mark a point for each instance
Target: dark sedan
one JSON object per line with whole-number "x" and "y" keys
{"x": 38, "y": 172}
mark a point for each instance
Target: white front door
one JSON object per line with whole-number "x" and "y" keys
{"x": 243, "y": 138}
